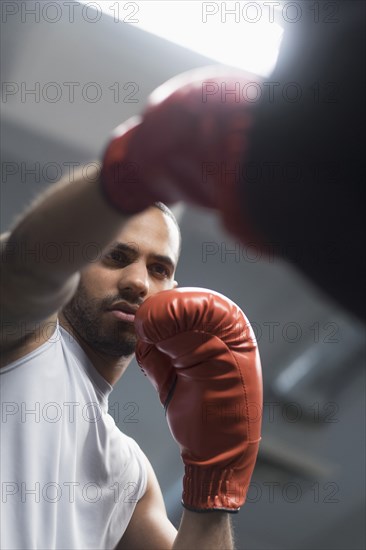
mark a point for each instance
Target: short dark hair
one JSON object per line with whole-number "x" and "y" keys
{"x": 166, "y": 210}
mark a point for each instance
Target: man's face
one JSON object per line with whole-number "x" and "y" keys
{"x": 140, "y": 262}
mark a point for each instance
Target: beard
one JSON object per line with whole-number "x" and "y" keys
{"x": 85, "y": 314}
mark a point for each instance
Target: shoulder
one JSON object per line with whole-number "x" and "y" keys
{"x": 30, "y": 339}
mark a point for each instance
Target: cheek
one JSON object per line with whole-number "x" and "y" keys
{"x": 96, "y": 280}
{"x": 162, "y": 285}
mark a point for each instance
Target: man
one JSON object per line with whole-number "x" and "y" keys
{"x": 70, "y": 478}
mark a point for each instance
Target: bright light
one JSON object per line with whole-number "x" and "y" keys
{"x": 238, "y": 34}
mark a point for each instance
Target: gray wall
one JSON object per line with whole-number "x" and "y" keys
{"x": 308, "y": 490}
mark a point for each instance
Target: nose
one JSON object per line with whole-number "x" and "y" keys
{"x": 134, "y": 278}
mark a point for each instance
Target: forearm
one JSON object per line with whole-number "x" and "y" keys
{"x": 64, "y": 229}
{"x": 204, "y": 531}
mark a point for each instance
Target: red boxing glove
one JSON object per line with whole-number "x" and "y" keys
{"x": 200, "y": 353}
{"x": 189, "y": 144}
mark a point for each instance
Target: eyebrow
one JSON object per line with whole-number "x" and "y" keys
{"x": 133, "y": 250}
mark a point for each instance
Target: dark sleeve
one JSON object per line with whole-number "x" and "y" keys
{"x": 303, "y": 187}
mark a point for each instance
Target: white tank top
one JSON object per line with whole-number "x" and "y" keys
{"x": 70, "y": 479}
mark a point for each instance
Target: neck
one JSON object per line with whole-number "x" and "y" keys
{"x": 111, "y": 368}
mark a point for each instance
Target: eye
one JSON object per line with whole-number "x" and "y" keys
{"x": 161, "y": 270}
{"x": 117, "y": 256}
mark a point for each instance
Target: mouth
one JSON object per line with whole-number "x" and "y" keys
{"x": 123, "y": 311}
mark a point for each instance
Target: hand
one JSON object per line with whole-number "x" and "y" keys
{"x": 188, "y": 144}
{"x": 198, "y": 350}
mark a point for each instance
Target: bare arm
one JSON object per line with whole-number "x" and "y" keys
{"x": 56, "y": 237}
{"x": 151, "y": 529}
{"x": 204, "y": 531}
